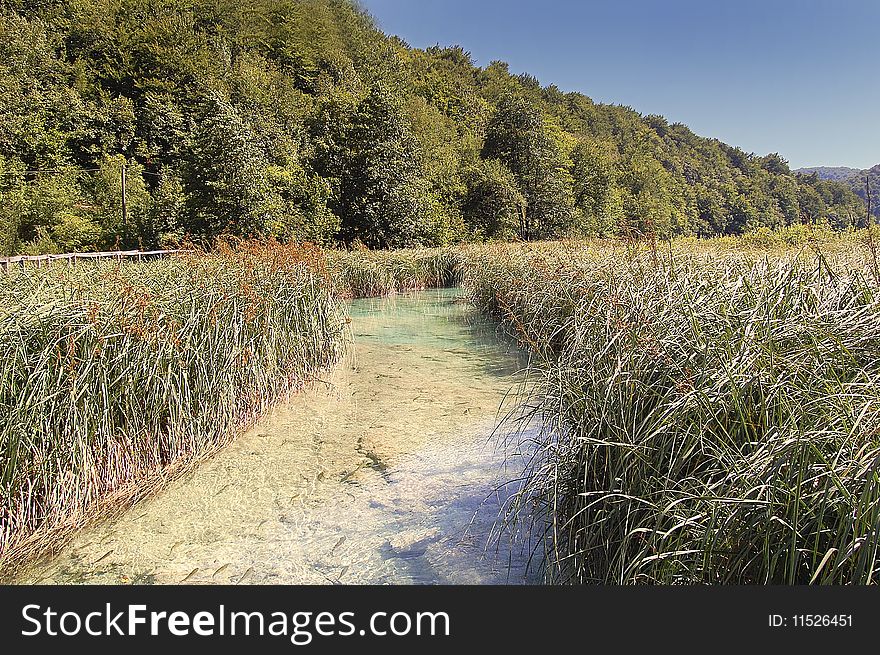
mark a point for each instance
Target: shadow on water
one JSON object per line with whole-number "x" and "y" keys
{"x": 389, "y": 472}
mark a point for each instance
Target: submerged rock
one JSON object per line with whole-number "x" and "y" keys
{"x": 412, "y": 543}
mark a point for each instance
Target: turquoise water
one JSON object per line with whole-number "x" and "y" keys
{"x": 389, "y": 470}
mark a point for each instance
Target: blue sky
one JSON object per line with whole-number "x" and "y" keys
{"x": 801, "y": 78}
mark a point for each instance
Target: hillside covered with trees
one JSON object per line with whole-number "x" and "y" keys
{"x": 299, "y": 119}
{"x": 836, "y": 173}
{"x": 855, "y": 179}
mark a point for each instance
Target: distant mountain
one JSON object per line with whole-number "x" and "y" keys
{"x": 836, "y": 173}
{"x": 853, "y": 177}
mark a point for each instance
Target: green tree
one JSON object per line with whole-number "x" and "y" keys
{"x": 517, "y": 136}
{"x": 48, "y": 213}
{"x": 596, "y": 192}
{"x": 374, "y": 160}
{"x": 300, "y": 119}
{"x": 106, "y": 210}
{"x": 648, "y": 197}
{"x": 301, "y": 212}
{"x": 494, "y": 205}
{"x": 167, "y": 205}
{"x": 812, "y": 207}
{"x": 225, "y": 176}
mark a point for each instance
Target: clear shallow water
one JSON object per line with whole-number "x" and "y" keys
{"x": 386, "y": 473}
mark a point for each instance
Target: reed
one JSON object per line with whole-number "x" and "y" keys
{"x": 115, "y": 375}
{"x": 366, "y": 273}
{"x": 711, "y": 415}
{"x": 710, "y": 409}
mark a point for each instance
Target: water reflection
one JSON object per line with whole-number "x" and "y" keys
{"x": 386, "y": 473}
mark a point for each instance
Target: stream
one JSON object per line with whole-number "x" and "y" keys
{"x": 388, "y": 471}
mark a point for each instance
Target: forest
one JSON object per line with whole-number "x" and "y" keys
{"x": 300, "y": 120}
{"x": 860, "y": 181}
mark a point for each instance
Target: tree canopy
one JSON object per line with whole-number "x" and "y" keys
{"x": 299, "y": 119}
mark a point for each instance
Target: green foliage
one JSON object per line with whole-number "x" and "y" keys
{"x": 597, "y": 193}
{"x": 107, "y": 194}
{"x": 518, "y": 137}
{"x": 166, "y": 209}
{"x": 853, "y": 178}
{"x": 857, "y": 182}
{"x": 649, "y": 198}
{"x": 47, "y": 214}
{"x": 300, "y": 120}
{"x": 225, "y": 176}
{"x": 494, "y": 204}
{"x": 374, "y": 159}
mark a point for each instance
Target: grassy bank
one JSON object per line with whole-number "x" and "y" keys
{"x": 117, "y": 377}
{"x": 711, "y": 414}
{"x": 114, "y": 376}
{"x": 366, "y": 273}
{"x": 711, "y": 408}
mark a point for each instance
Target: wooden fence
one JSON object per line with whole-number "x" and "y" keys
{"x": 71, "y": 258}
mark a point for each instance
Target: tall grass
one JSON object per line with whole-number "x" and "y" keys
{"x": 709, "y": 417}
{"x": 365, "y": 273}
{"x": 112, "y": 376}
{"x": 711, "y": 410}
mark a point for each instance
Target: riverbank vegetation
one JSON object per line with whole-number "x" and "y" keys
{"x": 300, "y": 120}
{"x": 114, "y": 377}
{"x": 711, "y": 410}
{"x": 364, "y": 273}
{"x": 117, "y": 376}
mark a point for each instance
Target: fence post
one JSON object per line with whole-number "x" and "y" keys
{"x": 124, "y": 202}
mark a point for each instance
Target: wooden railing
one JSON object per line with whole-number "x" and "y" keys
{"x": 72, "y": 257}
